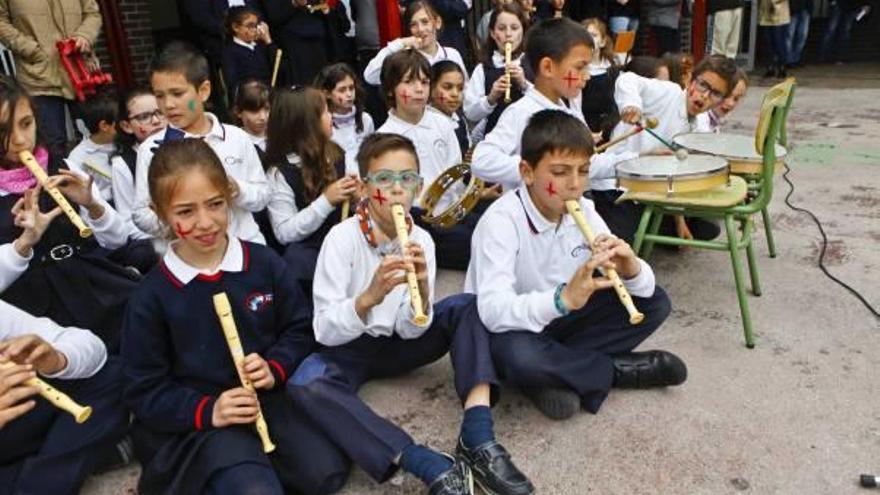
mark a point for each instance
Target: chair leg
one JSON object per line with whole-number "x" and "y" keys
{"x": 738, "y": 278}
{"x": 750, "y": 256}
{"x": 768, "y": 229}
{"x": 653, "y": 229}
{"x": 643, "y": 227}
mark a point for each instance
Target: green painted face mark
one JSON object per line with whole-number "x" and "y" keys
{"x": 192, "y": 105}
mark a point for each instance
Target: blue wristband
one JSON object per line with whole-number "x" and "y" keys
{"x": 557, "y": 300}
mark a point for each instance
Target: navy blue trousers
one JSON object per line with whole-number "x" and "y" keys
{"x": 575, "y": 351}
{"x": 247, "y": 478}
{"x": 45, "y": 451}
{"x": 325, "y": 385}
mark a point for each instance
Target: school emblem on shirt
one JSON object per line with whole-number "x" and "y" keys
{"x": 233, "y": 160}
{"x": 441, "y": 146}
{"x": 580, "y": 249}
{"x": 258, "y": 301}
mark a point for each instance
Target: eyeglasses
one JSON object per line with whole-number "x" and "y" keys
{"x": 704, "y": 87}
{"x": 250, "y": 25}
{"x": 385, "y": 179}
{"x": 146, "y": 117}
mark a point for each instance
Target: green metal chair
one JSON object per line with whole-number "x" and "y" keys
{"x": 727, "y": 203}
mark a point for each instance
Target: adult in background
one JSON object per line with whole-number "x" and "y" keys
{"x": 798, "y": 30}
{"x": 623, "y": 15}
{"x": 773, "y": 16}
{"x": 841, "y": 18}
{"x": 726, "y": 26}
{"x": 663, "y": 16}
{"x": 30, "y": 30}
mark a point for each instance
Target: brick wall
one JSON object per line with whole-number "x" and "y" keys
{"x": 138, "y": 28}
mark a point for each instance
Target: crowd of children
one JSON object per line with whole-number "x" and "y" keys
{"x": 291, "y": 214}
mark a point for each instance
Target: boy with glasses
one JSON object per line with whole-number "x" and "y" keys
{"x": 364, "y": 318}
{"x": 677, "y": 111}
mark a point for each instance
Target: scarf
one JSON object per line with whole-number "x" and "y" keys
{"x": 341, "y": 120}
{"x": 20, "y": 179}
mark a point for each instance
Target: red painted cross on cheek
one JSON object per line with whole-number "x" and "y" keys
{"x": 550, "y": 190}
{"x": 405, "y": 96}
{"x": 380, "y": 197}
{"x": 571, "y": 79}
{"x": 182, "y": 233}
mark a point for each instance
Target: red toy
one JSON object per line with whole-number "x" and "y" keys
{"x": 85, "y": 81}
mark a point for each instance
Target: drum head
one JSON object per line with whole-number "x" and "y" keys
{"x": 733, "y": 146}
{"x": 663, "y": 167}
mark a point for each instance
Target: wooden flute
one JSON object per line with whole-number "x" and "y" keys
{"x": 276, "y": 66}
{"x": 224, "y": 313}
{"x": 27, "y": 158}
{"x": 58, "y": 398}
{"x": 508, "y": 48}
{"x": 574, "y": 209}
{"x": 415, "y": 297}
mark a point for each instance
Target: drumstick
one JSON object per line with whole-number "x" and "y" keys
{"x": 415, "y": 296}
{"x": 56, "y": 397}
{"x": 30, "y": 162}
{"x": 227, "y": 322}
{"x": 649, "y": 124}
{"x": 665, "y": 142}
{"x": 508, "y": 46}
{"x": 574, "y": 209}
{"x": 94, "y": 168}
{"x": 277, "y": 65}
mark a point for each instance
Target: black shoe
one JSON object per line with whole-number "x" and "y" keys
{"x": 118, "y": 456}
{"x": 781, "y": 73}
{"x": 493, "y": 470}
{"x": 648, "y": 370}
{"x": 555, "y": 403}
{"x": 457, "y": 481}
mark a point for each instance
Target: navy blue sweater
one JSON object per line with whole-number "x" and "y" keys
{"x": 176, "y": 360}
{"x": 241, "y": 63}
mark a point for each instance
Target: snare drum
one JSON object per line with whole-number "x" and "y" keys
{"x": 667, "y": 174}
{"x": 737, "y": 149}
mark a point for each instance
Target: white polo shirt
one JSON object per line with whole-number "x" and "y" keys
{"x": 435, "y": 141}
{"x": 518, "y": 258}
{"x": 373, "y": 71}
{"x": 93, "y": 159}
{"x": 239, "y": 158}
{"x": 345, "y": 269}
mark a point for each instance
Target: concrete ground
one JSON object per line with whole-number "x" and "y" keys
{"x": 799, "y": 414}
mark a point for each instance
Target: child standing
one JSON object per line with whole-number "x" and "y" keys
{"x": 557, "y": 331}
{"x": 484, "y": 99}
{"x": 249, "y": 52}
{"x": 423, "y": 23}
{"x": 345, "y": 98}
{"x": 597, "y": 101}
{"x": 181, "y": 83}
{"x": 193, "y": 429}
{"x": 92, "y": 155}
{"x": 364, "y": 316}
{"x": 251, "y": 108}
{"x": 47, "y": 268}
{"x": 559, "y": 52}
{"x": 447, "y": 89}
{"x": 307, "y": 177}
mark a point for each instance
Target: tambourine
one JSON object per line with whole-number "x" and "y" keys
{"x": 458, "y": 209}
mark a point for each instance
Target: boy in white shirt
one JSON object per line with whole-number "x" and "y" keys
{"x": 180, "y": 79}
{"x": 92, "y": 155}
{"x": 44, "y": 450}
{"x": 364, "y": 317}
{"x": 677, "y": 111}
{"x": 406, "y": 77}
{"x": 559, "y": 332}
{"x": 559, "y": 52}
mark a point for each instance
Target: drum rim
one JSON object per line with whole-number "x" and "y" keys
{"x": 722, "y": 166}
{"x": 755, "y": 157}
{"x": 686, "y": 175}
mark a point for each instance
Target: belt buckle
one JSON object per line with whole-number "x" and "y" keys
{"x": 61, "y": 252}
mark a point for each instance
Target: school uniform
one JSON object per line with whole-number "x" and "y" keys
{"x": 667, "y": 102}
{"x": 93, "y": 160}
{"x": 45, "y": 450}
{"x": 476, "y": 100}
{"x": 298, "y": 224}
{"x": 385, "y": 344}
{"x": 496, "y": 159}
{"x": 437, "y": 147}
{"x": 76, "y": 285}
{"x": 242, "y": 61}
{"x": 138, "y": 252}
{"x": 346, "y": 135}
{"x": 373, "y": 71}
{"x": 177, "y": 363}
{"x": 239, "y": 158}
{"x": 597, "y": 99}
{"x": 453, "y": 34}
{"x": 258, "y": 141}
{"x": 519, "y": 259}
